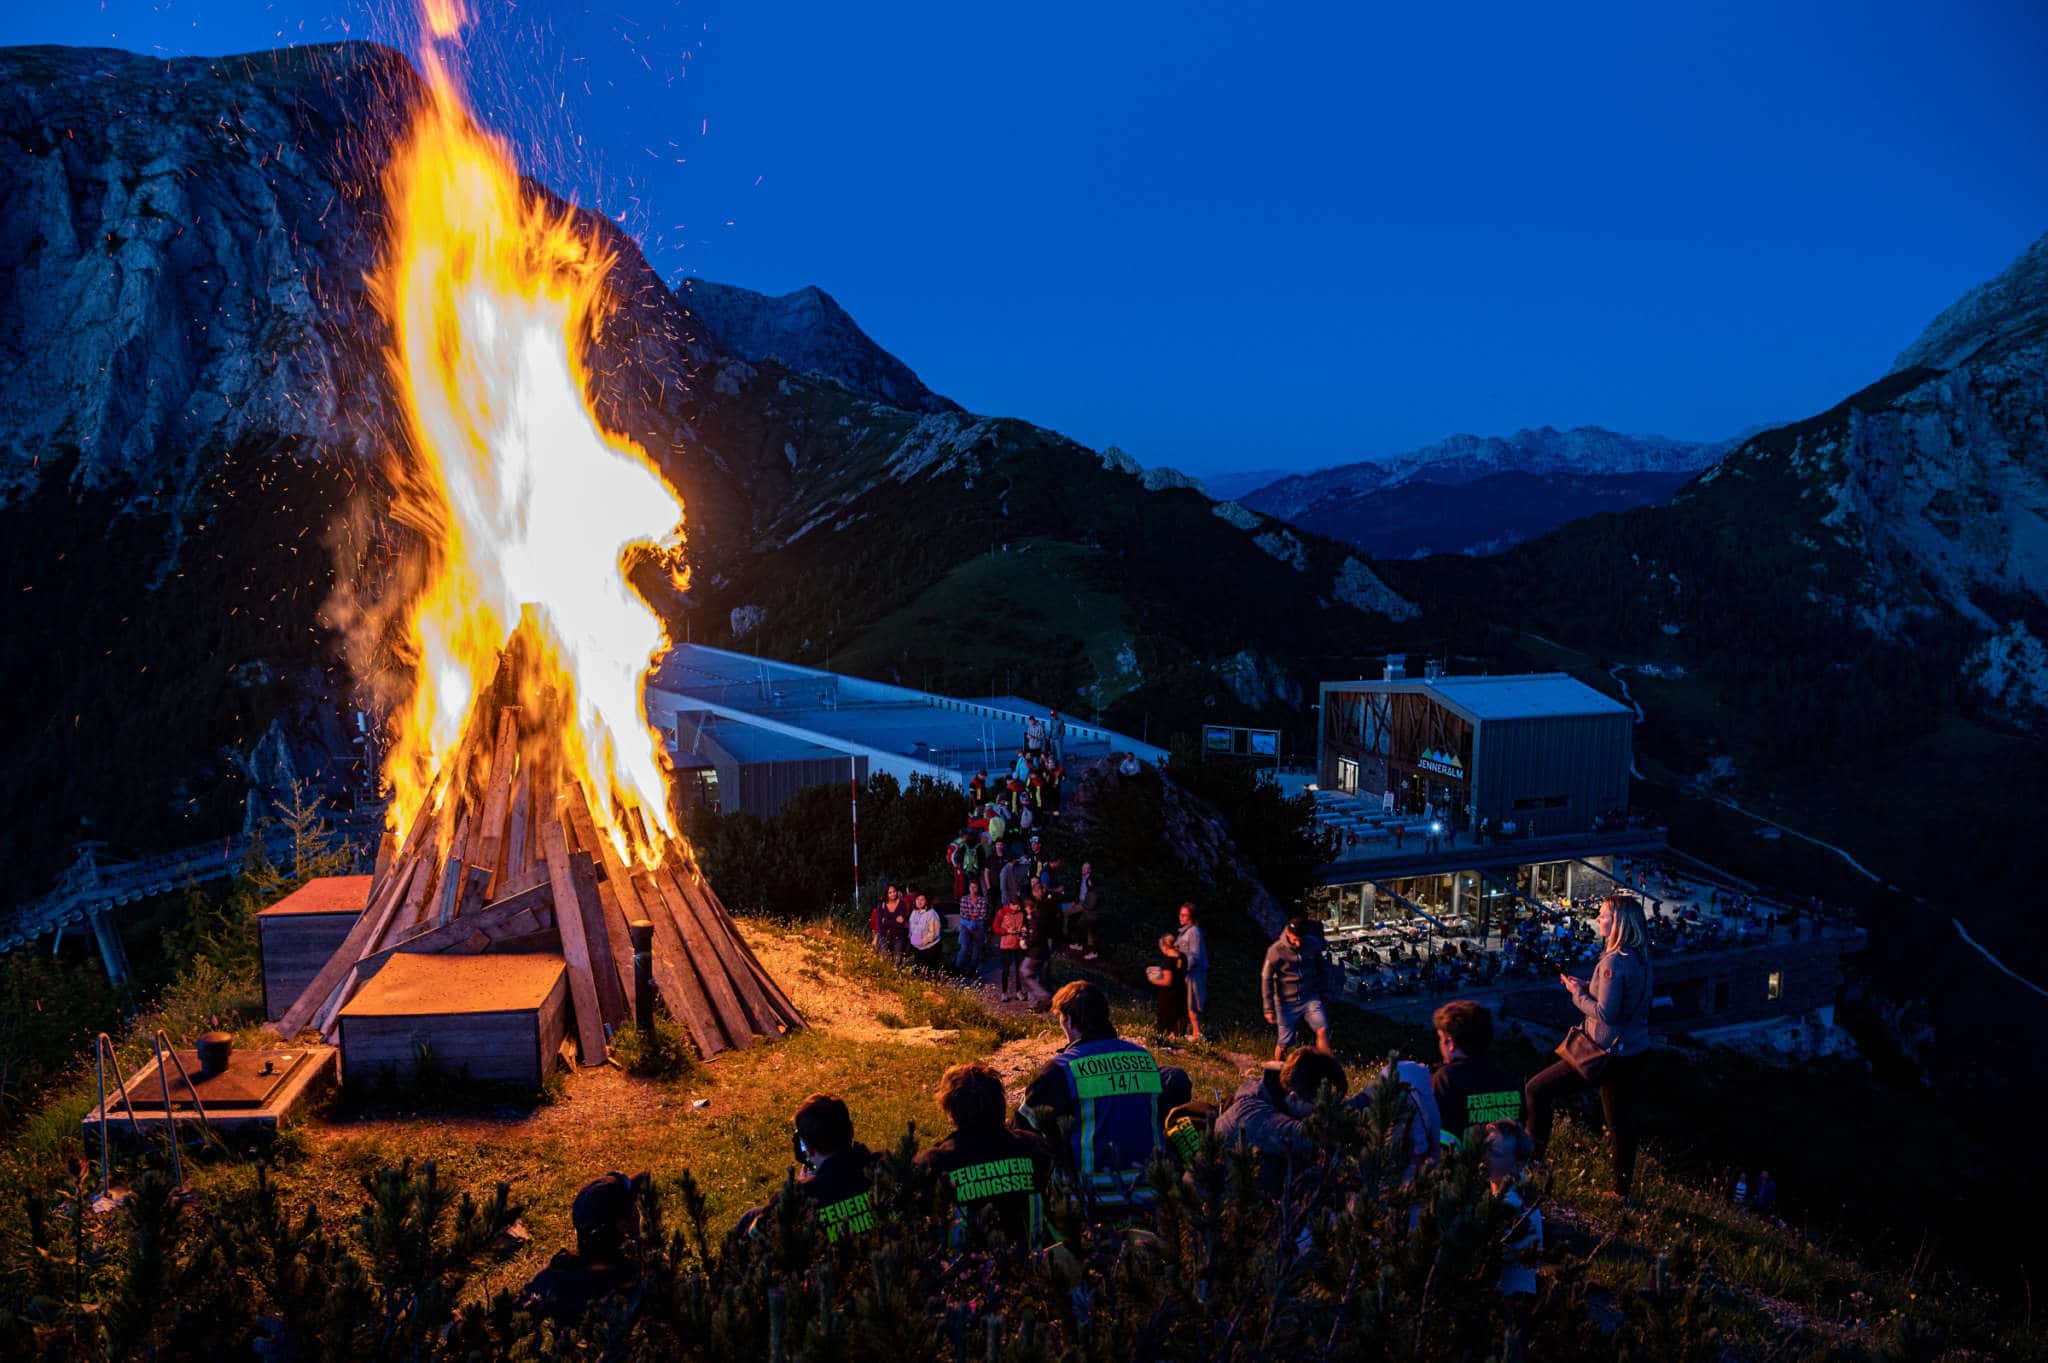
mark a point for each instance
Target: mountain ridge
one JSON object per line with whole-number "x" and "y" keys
{"x": 807, "y": 330}
{"x": 196, "y": 457}
{"x": 1379, "y": 504}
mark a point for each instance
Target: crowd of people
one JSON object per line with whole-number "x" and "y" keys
{"x": 1013, "y": 899}
{"x": 1452, "y": 952}
{"x": 1101, "y": 1116}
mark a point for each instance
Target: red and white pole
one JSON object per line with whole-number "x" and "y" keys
{"x": 853, "y": 789}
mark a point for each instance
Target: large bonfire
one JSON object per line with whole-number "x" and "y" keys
{"x": 528, "y": 795}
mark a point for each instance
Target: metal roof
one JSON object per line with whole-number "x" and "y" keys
{"x": 750, "y": 742}
{"x": 1525, "y": 695}
{"x": 840, "y": 713}
{"x": 1532, "y": 695}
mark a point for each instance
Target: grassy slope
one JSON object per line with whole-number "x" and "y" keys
{"x": 1774, "y": 1284}
{"x": 1043, "y": 585}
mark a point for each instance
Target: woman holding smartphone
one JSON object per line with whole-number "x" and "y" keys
{"x": 1609, "y": 1049}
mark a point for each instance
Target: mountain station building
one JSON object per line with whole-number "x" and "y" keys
{"x": 1468, "y": 808}
{"x": 746, "y": 733}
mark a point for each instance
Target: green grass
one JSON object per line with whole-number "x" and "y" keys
{"x": 1040, "y": 582}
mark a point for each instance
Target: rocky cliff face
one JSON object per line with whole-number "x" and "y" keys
{"x": 809, "y": 332}
{"x": 1926, "y": 495}
{"x": 2000, "y": 309}
{"x": 181, "y": 261}
{"x": 183, "y": 249}
{"x": 196, "y": 420}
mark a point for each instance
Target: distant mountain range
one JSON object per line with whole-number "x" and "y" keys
{"x": 1232, "y": 486}
{"x": 1480, "y": 494}
{"x": 1845, "y": 616}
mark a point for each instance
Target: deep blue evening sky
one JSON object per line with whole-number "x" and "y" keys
{"x": 1238, "y": 234}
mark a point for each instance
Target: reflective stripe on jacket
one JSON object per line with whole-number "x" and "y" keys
{"x": 1115, "y": 1085}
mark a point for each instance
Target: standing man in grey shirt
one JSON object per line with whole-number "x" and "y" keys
{"x": 1291, "y": 984}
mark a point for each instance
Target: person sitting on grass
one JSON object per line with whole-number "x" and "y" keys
{"x": 606, "y": 1219}
{"x": 1417, "y": 1127}
{"x": 835, "y": 1169}
{"x": 1106, "y": 1093}
{"x": 1270, "y": 1108}
{"x": 1471, "y": 1087}
{"x": 1505, "y": 1149}
{"x": 997, "y": 1176}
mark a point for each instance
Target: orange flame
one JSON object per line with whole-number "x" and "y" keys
{"x": 527, "y": 506}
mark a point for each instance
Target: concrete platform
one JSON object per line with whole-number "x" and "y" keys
{"x": 254, "y": 1091}
{"x": 495, "y": 1018}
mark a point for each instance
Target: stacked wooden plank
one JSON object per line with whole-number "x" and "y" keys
{"x": 507, "y": 854}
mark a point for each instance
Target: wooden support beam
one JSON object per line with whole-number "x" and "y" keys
{"x": 575, "y": 946}
{"x": 425, "y": 867}
{"x": 732, "y": 1016}
{"x": 451, "y": 874}
{"x": 615, "y": 896}
{"x": 787, "y": 1009}
{"x": 518, "y": 833}
{"x": 443, "y": 938}
{"x": 737, "y": 968}
{"x": 675, "y": 978}
{"x": 604, "y": 972}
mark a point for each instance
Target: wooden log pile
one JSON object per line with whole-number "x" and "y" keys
{"x": 507, "y": 854}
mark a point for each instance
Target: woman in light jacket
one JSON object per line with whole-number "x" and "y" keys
{"x": 1617, "y": 1009}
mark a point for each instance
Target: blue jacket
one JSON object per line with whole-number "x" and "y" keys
{"x": 1111, "y": 1088}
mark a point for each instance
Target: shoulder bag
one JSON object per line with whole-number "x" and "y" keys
{"x": 1584, "y": 1054}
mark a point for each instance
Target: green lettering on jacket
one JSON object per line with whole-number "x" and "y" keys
{"x": 1115, "y": 1075}
{"x": 1504, "y": 1105}
{"x": 848, "y": 1215}
{"x": 993, "y": 1178}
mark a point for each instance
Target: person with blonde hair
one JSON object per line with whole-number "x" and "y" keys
{"x": 1608, "y": 1050}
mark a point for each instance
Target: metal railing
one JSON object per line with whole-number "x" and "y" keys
{"x": 89, "y": 887}
{"x": 105, "y": 1056}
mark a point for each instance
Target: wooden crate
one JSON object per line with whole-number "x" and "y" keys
{"x": 299, "y": 932}
{"x": 497, "y": 1018}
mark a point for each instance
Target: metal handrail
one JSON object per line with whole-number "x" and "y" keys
{"x": 102, "y": 1052}
{"x": 162, "y": 1043}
